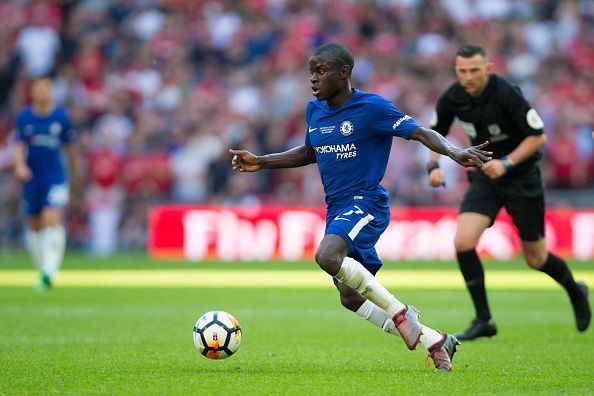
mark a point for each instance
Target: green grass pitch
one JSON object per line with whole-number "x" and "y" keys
{"x": 296, "y": 340}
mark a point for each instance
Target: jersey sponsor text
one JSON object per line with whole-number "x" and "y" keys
{"x": 400, "y": 121}
{"x": 342, "y": 151}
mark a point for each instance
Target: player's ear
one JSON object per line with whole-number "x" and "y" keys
{"x": 345, "y": 72}
{"x": 490, "y": 67}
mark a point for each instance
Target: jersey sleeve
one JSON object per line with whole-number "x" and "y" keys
{"x": 518, "y": 108}
{"x": 19, "y": 126}
{"x": 68, "y": 135}
{"x": 307, "y": 141}
{"x": 307, "y": 120}
{"x": 442, "y": 118}
{"x": 391, "y": 121}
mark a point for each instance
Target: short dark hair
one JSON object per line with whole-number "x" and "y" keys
{"x": 336, "y": 53}
{"x": 468, "y": 51}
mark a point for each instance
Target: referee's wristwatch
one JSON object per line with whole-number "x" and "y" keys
{"x": 509, "y": 165}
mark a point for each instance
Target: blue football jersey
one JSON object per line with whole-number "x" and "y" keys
{"x": 352, "y": 144}
{"x": 43, "y": 137}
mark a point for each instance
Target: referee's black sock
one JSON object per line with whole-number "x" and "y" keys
{"x": 557, "y": 269}
{"x": 474, "y": 275}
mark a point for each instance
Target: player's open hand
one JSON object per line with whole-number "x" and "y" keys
{"x": 472, "y": 156}
{"x": 244, "y": 161}
{"x": 22, "y": 173}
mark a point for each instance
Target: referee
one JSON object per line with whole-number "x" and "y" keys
{"x": 490, "y": 108}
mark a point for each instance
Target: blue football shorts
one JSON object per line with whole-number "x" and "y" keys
{"x": 360, "y": 225}
{"x": 38, "y": 195}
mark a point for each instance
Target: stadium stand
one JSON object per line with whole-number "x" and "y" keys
{"x": 159, "y": 89}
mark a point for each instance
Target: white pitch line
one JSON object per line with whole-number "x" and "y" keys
{"x": 394, "y": 279}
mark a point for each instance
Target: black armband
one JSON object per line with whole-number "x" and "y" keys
{"x": 431, "y": 165}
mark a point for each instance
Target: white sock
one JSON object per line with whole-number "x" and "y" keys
{"x": 429, "y": 336}
{"x": 375, "y": 315}
{"x": 53, "y": 241}
{"x": 33, "y": 242}
{"x": 353, "y": 274}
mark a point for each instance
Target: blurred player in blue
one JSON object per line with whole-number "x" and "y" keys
{"x": 42, "y": 131}
{"x": 350, "y": 136}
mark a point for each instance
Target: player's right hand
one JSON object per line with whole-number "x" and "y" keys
{"x": 436, "y": 178}
{"x": 244, "y": 161}
{"x": 23, "y": 173}
{"x": 472, "y": 156}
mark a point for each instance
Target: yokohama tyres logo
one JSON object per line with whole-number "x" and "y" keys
{"x": 335, "y": 148}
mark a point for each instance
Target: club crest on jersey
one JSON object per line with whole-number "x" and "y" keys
{"x": 55, "y": 128}
{"x": 347, "y": 128}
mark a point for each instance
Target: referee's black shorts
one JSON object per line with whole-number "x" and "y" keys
{"x": 521, "y": 195}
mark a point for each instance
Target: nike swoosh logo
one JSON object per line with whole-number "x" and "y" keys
{"x": 341, "y": 218}
{"x": 311, "y": 129}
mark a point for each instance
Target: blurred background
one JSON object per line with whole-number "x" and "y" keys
{"x": 158, "y": 90}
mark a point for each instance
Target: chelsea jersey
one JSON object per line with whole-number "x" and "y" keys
{"x": 43, "y": 137}
{"x": 352, "y": 144}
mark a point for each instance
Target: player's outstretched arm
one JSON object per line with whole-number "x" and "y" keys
{"x": 470, "y": 156}
{"x": 244, "y": 161}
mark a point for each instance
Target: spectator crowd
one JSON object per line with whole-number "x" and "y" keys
{"x": 158, "y": 90}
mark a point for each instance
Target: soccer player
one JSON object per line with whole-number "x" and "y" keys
{"x": 42, "y": 130}
{"x": 492, "y": 109}
{"x": 350, "y": 136}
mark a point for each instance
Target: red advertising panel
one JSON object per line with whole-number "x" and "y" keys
{"x": 292, "y": 233}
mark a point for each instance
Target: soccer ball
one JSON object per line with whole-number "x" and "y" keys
{"x": 217, "y": 335}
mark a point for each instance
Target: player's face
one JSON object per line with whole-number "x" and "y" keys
{"x": 41, "y": 90}
{"x": 473, "y": 73}
{"x": 327, "y": 78}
